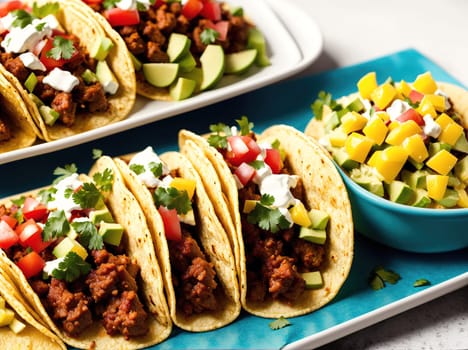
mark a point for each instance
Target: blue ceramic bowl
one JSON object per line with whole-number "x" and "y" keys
{"x": 403, "y": 227}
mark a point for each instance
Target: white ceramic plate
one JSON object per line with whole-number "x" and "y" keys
{"x": 288, "y": 48}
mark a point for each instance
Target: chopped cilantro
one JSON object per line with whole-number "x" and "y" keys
{"x": 50, "y": 8}
{"x": 156, "y": 168}
{"x": 209, "y": 36}
{"x": 421, "y": 282}
{"x": 87, "y": 196}
{"x": 279, "y": 323}
{"x": 172, "y": 198}
{"x": 324, "y": 99}
{"x": 63, "y": 48}
{"x": 22, "y": 18}
{"x": 56, "y": 226}
{"x": 218, "y": 138}
{"x": 411, "y": 103}
{"x": 108, "y": 4}
{"x": 244, "y": 125}
{"x": 257, "y": 164}
{"x": 267, "y": 199}
{"x": 97, "y": 153}
{"x": 47, "y": 195}
{"x": 64, "y": 172}
{"x": 137, "y": 168}
{"x": 104, "y": 180}
{"x": 72, "y": 267}
{"x": 267, "y": 218}
{"x": 89, "y": 235}
{"x": 276, "y": 144}
{"x": 380, "y": 276}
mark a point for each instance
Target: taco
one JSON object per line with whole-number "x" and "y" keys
{"x": 192, "y": 246}
{"x": 167, "y": 40}
{"x": 81, "y": 255}
{"x": 287, "y": 209}
{"x": 18, "y": 328}
{"x": 17, "y": 129}
{"x": 69, "y": 72}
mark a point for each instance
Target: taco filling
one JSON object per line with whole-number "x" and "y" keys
{"x": 68, "y": 246}
{"x": 284, "y": 241}
{"x": 53, "y": 66}
{"x": 193, "y": 276}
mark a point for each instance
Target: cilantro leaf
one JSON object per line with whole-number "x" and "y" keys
{"x": 156, "y": 168}
{"x": 379, "y": 276}
{"x": 87, "y": 196}
{"x": 51, "y": 8}
{"x": 172, "y": 198}
{"x": 267, "y": 199}
{"x": 47, "y": 195}
{"x": 108, "y": 4}
{"x": 421, "y": 282}
{"x": 376, "y": 282}
{"x": 244, "y": 125}
{"x": 89, "y": 235}
{"x": 209, "y": 36}
{"x": 72, "y": 267}
{"x": 64, "y": 172}
{"x": 22, "y": 18}
{"x": 279, "y": 323}
{"x": 268, "y": 219}
{"x": 56, "y": 226}
{"x": 104, "y": 180}
{"x": 97, "y": 153}
{"x": 219, "y": 137}
{"x": 324, "y": 99}
{"x": 257, "y": 164}
{"x": 137, "y": 168}
{"x": 63, "y": 48}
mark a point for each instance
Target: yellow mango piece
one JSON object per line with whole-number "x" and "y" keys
{"x": 299, "y": 215}
{"x": 438, "y": 101}
{"x": 6, "y": 317}
{"x": 416, "y": 148}
{"x": 390, "y": 162}
{"x": 393, "y": 124}
{"x": 367, "y": 84}
{"x": 352, "y": 121}
{"x": 451, "y": 133}
{"x": 443, "y": 120}
{"x": 442, "y": 162}
{"x": 383, "y": 95}
{"x": 436, "y": 186}
{"x": 358, "y": 146}
{"x": 376, "y": 130}
{"x": 375, "y": 158}
{"x": 425, "y": 84}
{"x": 182, "y": 184}
{"x": 462, "y": 198}
{"x": 249, "y": 205}
{"x": 403, "y": 88}
{"x": 383, "y": 115}
{"x": 426, "y": 107}
{"x": 337, "y": 137}
{"x": 402, "y": 131}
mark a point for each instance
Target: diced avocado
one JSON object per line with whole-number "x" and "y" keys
{"x": 106, "y": 77}
{"x": 461, "y": 169}
{"x": 30, "y": 82}
{"x": 89, "y": 76}
{"x": 96, "y": 216}
{"x": 400, "y": 192}
{"x": 178, "y": 46}
{"x": 6, "y": 316}
{"x": 313, "y": 280}
{"x": 414, "y": 179}
{"x": 183, "y": 88}
{"x": 256, "y": 40}
{"x": 212, "y": 64}
{"x": 101, "y": 48}
{"x": 17, "y": 326}
{"x": 453, "y": 181}
{"x": 313, "y": 235}
{"x": 319, "y": 219}
{"x": 72, "y": 233}
{"x": 136, "y": 62}
{"x": 160, "y": 74}
{"x": 438, "y": 146}
{"x": 195, "y": 74}
{"x": 341, "y": 157}
{"x": 450, "y": 198}
{"x": 417, "y": 165}
{"x": 68, "y": 245}
{"x": 111, "y": 233}
{"x": 332, "y": 121}
{"x": 461, "y": 144}
{"x": 365, "y": 178}
{"x": 239, "y": 62}
{"x": 100, "y": 204}
{"x": 187, "y": 63}
{"x": 356, "y": 105}
{"x": 421, "y": 198}
{"x": 37, "y": 101}
{"x": 49, "y": 115}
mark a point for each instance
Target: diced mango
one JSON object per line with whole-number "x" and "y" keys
{"x": 384, "y": 116}
{"x": 403, "y": 88}
{"x": 389, "y": 161}
{"x": 367, "y": 84}
{"x": 436, "y": 186}
{"x": 451, "y": 133}
{"x": 404, "y": 130}
{"x": 376, "y": 130}
{"x": 426, "y": 107}
{"x": 249, "y": 205}
{"x": 337, "y": 137}
{"x": 438, "y": 101}
{"x": 442, "y": 162}
{"x": 416, "y": 148}
{"x": 383, "y": 95}
{"x": 393, "y": 124}
{"x": 6, "y": 316}
{"x": 443, "y": 120}
{"x": 352, "y": 121}
{"x": 183, "y": 184}
{"x": 462, "y": 198}
{"x": 358, "y": 146}
{"x": 425, "y": 84}
{"x": 299, "y": 215}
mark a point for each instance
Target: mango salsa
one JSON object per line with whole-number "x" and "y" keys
{"x": 299, "y": 215}
{"x": 358, "y": 146}
{"x": 436, "y": 186}
{"x": 383, "y": 95}
{"x": 425, "y": 83}
{"x": 367, "y": 84}
{"x": 376, "y": 130}
{"x": 442, "y": 162}
{"x": 184, "y": 185}
{"x": 402, "y": 131}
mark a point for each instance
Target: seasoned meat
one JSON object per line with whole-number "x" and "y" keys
{"x": 311, "y": 255}
{"x": 155, "y": 54}
{"x": 40, "y": 287}
{"x": 63, "y": 104}
{"x": 283, "y": 277}
{"x": 94, "y": 96}
{"x": 152, "y": 32}
{"x": 44, "y": 91}
{"x": 103, "y": 281}
{"x": 16, "y": 67}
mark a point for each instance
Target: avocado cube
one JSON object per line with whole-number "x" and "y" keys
{"x": 111, "y": 233}
{"x": 68, "y": 245}
{"x": 341, "y": 157}
{"x": 461, "y": 144}
{"x": 450, "y": 198}
{"x": 400, "y": 192}
{"x": 356, "y": 105}
{"x": 319, "y": 219}
{"x": 332, "y": 121}
{"x": 421, "y": 200}
{"x": 313, "y": 280}
{"x": 313, "y": 235}
{"x": 461, "y": 169}
{"x": 415, "y": 179}
{"x": 99, "y": 215}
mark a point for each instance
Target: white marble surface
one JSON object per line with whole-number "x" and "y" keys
{"x": 360, "y": 30}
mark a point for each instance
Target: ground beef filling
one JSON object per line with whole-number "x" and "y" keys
{"x": 82, "y": 99}
{"x": 275, "y": 260}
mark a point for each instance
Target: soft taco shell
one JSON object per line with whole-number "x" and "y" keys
{"x": 125, "y": 210}
{"x": 15, "y": 114}
{"x": 324, "y": 190}
{"x": 215, "y": 245}
{"x": 80, "y": 20}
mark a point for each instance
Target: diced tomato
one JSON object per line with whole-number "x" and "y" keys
{"x": 93, "y": 2}
{"x": 211, "y": 10}
{"x": 50, "y": 62}
{"x": 31, "y": 264}
{"x": 8, "y": 236}
{"x": 6, "y": 7}
{"x": 243, "y": 149}
{"x": 415, "y": 96}
{"x": 273, "y": 159}
{"x": 30, "y": 235}
{"x": 192, "y": 9}
{"x": 411, "y": 114}
{"x": 158, "y": 3}
{"x": 10, "y": 220}
{"x": 221, "y": 27}
{"x": 34, "y": 209}
{"x": 118, "y": 17}
{"x": 171, "y": 222}
{"x": 245, "y": 173}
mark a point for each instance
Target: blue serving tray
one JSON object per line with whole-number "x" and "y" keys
{"x": 357, "y": 305}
